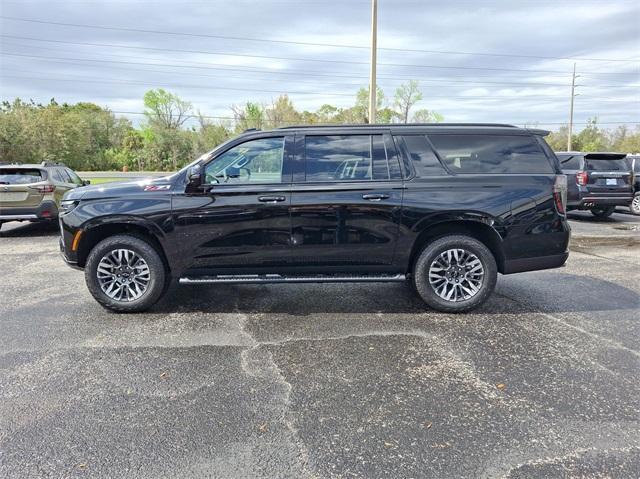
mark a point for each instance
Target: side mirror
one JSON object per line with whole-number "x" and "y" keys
{"x": 194, "y": 176}
{"x": 86, "y": 182}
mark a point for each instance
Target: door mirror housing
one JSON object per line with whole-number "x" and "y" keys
{"x": 86, "y": 182}
{"x": 194, "y": 176}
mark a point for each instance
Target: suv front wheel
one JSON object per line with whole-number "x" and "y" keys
{"x": 125, "y": 274}
{"x": 454, "y": 274}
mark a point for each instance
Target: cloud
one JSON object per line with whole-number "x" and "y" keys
{"x": 465, "y": 83}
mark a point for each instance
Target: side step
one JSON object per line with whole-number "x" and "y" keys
{"x": 277, "y": 278}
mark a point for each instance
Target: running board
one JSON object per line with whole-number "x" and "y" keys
{"x": 277, "y": 278}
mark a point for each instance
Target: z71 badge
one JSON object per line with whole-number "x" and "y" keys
{"x": 157, "y": 187}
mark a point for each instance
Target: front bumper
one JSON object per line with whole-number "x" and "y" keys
{"x": 71, "y": 262}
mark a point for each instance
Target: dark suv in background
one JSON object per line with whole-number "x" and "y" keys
{"x": 33, "y": 192}
{"x": 446, "y": 207}
{"x": 597, "y": 181}
{"x": 634, "y": 163}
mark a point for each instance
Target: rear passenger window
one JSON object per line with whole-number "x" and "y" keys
{"x": 569, "y": 162}
{"x": 491, "y": 154}
{"x": 424, "y": 160}
{"x": 346, "y": 158}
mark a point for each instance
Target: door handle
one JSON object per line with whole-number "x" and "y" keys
{"x": 375, "y": 196}
{"x": 271, "y": 199}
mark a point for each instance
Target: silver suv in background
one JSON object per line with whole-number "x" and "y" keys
{"x": 597, "y": 181}
{"x": 32, "y": 192}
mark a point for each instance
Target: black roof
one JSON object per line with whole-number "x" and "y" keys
{"x": 397, "y": 125}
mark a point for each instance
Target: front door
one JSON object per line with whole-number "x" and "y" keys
{"x": 345, "y": 203}
{"x": 238, "y": 222}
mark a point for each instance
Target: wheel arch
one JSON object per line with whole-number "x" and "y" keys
{"x": 94, "y": 233}
{"x": 484, "y": 233}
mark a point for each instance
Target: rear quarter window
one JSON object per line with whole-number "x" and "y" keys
{"x": 491, "y": 154}
{"x": 14, "y": 176}
{"x": 569, "y": 162}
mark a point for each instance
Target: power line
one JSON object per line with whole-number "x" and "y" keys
{"x": 214, "y": 117}
{"x": 291, "y": 42}
{"x": 174, "y": 50}
{"x": 173, "y": 65}
{"x": 535, "y": 97}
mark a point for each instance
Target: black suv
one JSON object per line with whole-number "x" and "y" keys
{"x": 597, "y": 181}
{"x": 445, "y": 206}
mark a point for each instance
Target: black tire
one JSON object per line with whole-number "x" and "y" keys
{"x": 432, "y": 252}
{"x": 635, "y": 204}
{"x": 603, "y": 212}
{"x": 154, "y": 288}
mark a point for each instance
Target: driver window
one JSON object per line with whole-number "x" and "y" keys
{"x": 255, "y": 161}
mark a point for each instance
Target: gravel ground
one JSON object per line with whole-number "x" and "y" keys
{"x": 324, "y": 380}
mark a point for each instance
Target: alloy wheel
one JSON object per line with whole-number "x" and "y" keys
{"x": 123, "y": 275}
{"x": 635, "y": 205}
{"x": 456, "y": 275}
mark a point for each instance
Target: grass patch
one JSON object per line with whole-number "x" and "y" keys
{"x": 99, "y": 181}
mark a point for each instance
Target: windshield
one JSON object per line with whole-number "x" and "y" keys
{"x": 19, "y": 176}
{"x": 606, "y": 165}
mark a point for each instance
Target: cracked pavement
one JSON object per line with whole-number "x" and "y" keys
{"x": 315, "y": 381}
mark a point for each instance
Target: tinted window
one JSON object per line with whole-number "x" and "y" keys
{"x": 491, "y": 154}
{"x": 569, "y": 162}
{"x": 255, "y": 161}
{"x": 65, "y": 176}
{"x": 424, "y": 160}
{"x": 606, "y": 165}
{"x": 346, "y": 158}
{"x": 74, "y": 178}
{"x": 19, "y": 177}
{"x": 55, "y": 174}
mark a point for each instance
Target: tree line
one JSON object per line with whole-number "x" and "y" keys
{"x": 87, "y": 137}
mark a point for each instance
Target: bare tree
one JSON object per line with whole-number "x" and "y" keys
{"x": 406, "y": 96}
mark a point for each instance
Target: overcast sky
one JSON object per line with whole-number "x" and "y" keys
{"x": 484, "y": 60}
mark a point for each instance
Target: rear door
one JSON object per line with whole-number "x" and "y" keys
{"x": 608, "y": 174}
{"x": 18, "y": 187}
{"x": 346, "y": 201}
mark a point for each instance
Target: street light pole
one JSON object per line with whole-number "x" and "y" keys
{"x": 573, "y": 95}
{"x": 372, "y": 73}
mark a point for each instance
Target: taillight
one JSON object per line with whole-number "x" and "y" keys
{"x": 44, "y": 188}
{"x": 560, "y": 193}
{"x": 582, "y": 177}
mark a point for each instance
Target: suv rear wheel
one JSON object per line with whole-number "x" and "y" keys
{"x": 603, "y": 212}
{"x": 454, "y": 274}
{"x": 635, "y": 204}
{"x": 125, "y": 274}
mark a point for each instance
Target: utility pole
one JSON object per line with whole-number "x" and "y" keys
{"x": 573, "y": 95}
{"x": 372, "y": 73}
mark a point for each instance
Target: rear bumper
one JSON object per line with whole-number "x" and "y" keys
{"x": 45, "y": 211}
{"x": 593, "y": 201}
{"x": 534, "y": 264}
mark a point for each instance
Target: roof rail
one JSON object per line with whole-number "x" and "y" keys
{"x": 249, "y": 130}
{"x": 374, "y": 125}
{"x": 52, "y": 163}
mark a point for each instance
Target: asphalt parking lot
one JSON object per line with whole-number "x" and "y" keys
{"x": 324, "y": 381}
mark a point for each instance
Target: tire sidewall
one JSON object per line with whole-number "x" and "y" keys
{"x": 143, "y": 249}
{"x": 636, "y": 201}
{"x": 432, "y": 250}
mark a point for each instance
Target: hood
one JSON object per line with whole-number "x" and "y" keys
{"x": 117, "y": 189}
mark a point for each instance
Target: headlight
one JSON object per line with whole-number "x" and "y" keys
{"x": 68, "y": 205}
